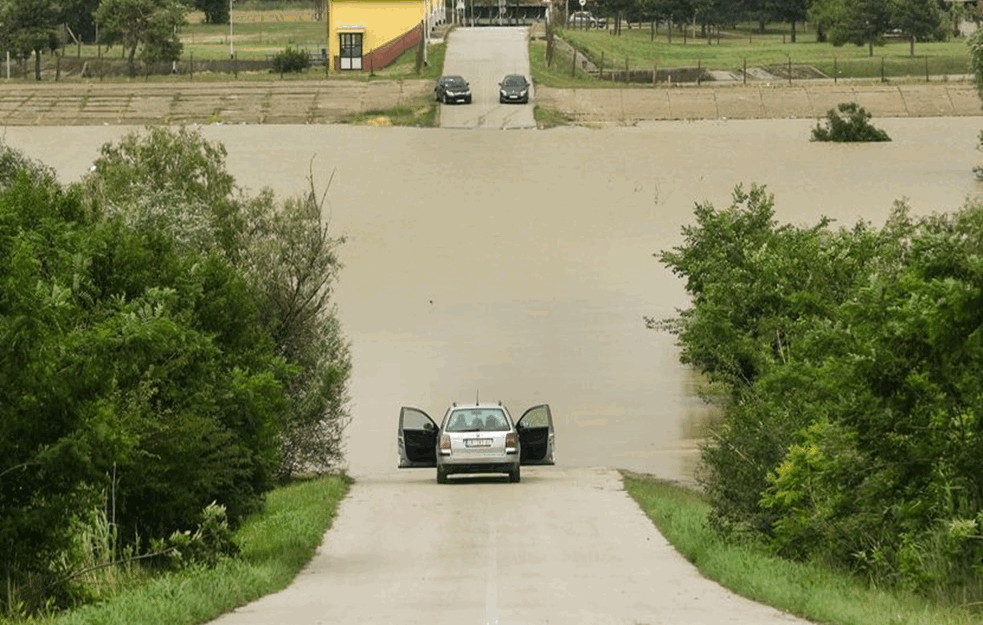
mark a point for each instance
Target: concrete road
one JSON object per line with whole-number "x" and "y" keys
{"x": 564, "y": 546}
{"x": 483, "y": 56}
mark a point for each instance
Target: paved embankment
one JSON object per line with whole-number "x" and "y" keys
{"x": 802, "y": 100}
{"x": 330, "y": 101}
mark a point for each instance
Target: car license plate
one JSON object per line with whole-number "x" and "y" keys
{"x": 477, "y": 442}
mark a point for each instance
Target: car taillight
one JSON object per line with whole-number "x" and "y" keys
{"x": 511, "y": 442}
{"x": 445, "y": 444}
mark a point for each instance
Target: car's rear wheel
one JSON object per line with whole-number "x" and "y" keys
{"x": 441, "y": 475}
{"x": 514, "y": 475}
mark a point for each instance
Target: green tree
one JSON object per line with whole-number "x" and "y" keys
{"x": 30, "y": 27}
{"x": 216, "y": 11}
{"x": 79, "y": 17}
{"x": 129, "y": 353}
{"x": 149, "y": 24}
{"x": 791, "y": 11}
{"x": 845, "y": 361}
{"x": 284, "y": 250}
{"x": 169, "y": 341}
{"x": 858, "y": 22}
{"x": 917, "y": 19}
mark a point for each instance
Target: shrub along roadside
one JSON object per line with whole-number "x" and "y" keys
{"x": 750, "y": 569}
{"x": 274, "y": 544}
{"x": 170, "y": 342}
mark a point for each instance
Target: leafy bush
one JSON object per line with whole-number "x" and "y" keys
{"x": 211, "y": 541}
{"x": 149, "y": 337}
{"x": 848, "y": 122}
{"x": 291, "y": 60}
{"x": 853, "y": 425}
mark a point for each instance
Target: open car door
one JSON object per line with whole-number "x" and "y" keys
{"x": 416, "y": 439}
{"x": 536, "y": 436}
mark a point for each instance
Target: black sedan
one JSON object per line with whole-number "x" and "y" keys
{"x": 452, "y": 89}
{"x": 514, "y": 88}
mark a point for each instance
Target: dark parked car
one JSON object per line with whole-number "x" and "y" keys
{"x": 513, "y": 88}
{"x": 452, "y": 89}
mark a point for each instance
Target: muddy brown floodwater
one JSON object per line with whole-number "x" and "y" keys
{"x": 518, "y": 265}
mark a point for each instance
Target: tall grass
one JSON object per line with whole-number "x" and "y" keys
{"x": 275, "y": 545}
{"x": 810, "y": 590}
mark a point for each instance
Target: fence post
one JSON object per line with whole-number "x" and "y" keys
{"x": 836, "y": 71}
{"x": 926, "y": 69}
{"x": 627, "y": 77}
{"x": 191, "y": 65}
{"x": 235, "y": 65}
{"x": 573, "y": 66}
{"x": 57, "y": 66}
{"x": 745, "y": 70}
{"x": 601, "y": 68}
{"x": 789, "y": 68}
{"x": 882, "y": 70}
{"x": 699, "y": 72}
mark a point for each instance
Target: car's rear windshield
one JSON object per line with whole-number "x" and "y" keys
{"x": 477, "y": 420}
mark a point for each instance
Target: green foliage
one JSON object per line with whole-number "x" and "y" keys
{"x": 812, "y": 589}
{"x": 917, "y": 19}
{"x": 852, "y": 419}
{"x": 858, "y": 22}
{"x": 273, "y": 546}
{"x": 975, "y": 43}
{"x": 152, "y": 335}
{"x": 291, "y": 60}
{"x": 211, "y": 541}
{"x": 978, "y": 170}
{"x": 216, "y": 11}
{"x": 79, "y": 16}
{"x": 848, "y": 122}
{"x": 29, "y": 26}
{"x": 151, "y": 25}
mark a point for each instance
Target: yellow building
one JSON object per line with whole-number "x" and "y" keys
{"x": 365, "y": 35}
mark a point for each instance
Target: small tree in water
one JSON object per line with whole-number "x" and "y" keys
{"x": 848, "y": 122}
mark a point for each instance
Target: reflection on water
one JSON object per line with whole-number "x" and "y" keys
{"x": 519, "y": 265}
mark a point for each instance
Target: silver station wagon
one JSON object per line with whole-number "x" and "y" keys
{"x": 476, "y": 438}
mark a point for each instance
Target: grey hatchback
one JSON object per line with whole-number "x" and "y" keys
{"x": 476, "y": 438}
{"x": 513, "y": 88}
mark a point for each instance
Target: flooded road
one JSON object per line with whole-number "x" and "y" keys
{"x": 518, "y": 265}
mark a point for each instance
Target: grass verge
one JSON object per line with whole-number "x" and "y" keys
{"x": 275, "y": 545}
{"x": 638, "y": 49}
{"x": 421, "y": 114}
{"x": 809, "y": 590}
{"x": 550, "y": 118}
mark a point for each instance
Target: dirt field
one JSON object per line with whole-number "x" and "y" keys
{"x": 331, "y": 101}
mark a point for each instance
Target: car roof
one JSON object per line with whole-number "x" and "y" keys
{"x": 473, "y": 406}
